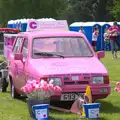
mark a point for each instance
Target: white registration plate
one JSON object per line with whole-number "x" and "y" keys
{"x": 69, "y": 97}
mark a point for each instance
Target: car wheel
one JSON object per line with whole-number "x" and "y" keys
{"x": 14, "y": 94}
{"x": 3, "y": 85}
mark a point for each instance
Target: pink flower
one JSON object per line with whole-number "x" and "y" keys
{"x": 45, "y": 88}
{"x": 33, "y": 83}
{"x": 118, "y": 83}
{"x": 51, "y": 87}
{"x": 29, "y": 88}
{"x": 41, "y": 85}
{"x": 30, "y": 81}
{"x": 57, "y": 89}
{"x": 116, "y": 89}
{"x": 44, "y": 83}
{"x": 33, "y": 86}
{"x": 51, "y": 82}
{"x": 37, "y": 87}
{"x": 37, "y": 82}
{"x": 24, "y": 89}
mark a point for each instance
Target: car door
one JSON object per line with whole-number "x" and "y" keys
{"x": 13, "y": 68}
{"x": 21, "y": 74}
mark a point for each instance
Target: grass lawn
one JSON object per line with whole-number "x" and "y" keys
{"x": 110, "y": 107}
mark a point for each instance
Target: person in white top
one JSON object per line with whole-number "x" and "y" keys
{"x": 106, "y": 39}
{"x": 81, "y": 30}
{"x": 94, "y": 37}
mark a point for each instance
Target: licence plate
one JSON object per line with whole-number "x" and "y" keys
{"x": 69, "y": 96}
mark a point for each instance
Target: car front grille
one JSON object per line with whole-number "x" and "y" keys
{"x": 76, "y": 82}
{"x": 83, "y": 79}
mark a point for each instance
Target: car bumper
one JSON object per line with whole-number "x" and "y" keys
{"x": 98, "y": 91}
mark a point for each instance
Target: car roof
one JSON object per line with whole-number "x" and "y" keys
{"x": 51, "y": 34}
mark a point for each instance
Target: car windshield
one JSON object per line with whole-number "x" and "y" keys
{"x": 60, "y": 47}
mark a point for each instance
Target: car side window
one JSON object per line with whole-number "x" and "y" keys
{"x": 17, "y": 45}
{"x": 25, "y": 48}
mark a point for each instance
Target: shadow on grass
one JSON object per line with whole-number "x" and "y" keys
{"x": 68, "y": 114}
{"x": 7, "y": 91}
{"x": 22, "y": 99}
{"x": 103, "y": 118}
{"x": 65, "y": 105}
{"x": 107, "y": 107}
{"x": 59, "y": 112}
{"x": 51, "y": 118}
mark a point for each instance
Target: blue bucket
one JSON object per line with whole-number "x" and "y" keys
{"x": 41, "y": 111}
{"x": 92, "y": 110}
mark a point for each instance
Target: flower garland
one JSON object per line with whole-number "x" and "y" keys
{"x": 40, "y": 90}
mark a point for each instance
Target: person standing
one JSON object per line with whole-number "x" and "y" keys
{"x": 94, "y": 38}
{"x": 113, "y": 32}
{"x": 106, "y": 39}
{"x": 81, "y": 30}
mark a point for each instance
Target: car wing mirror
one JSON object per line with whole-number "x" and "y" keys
{"x": 100, "y": 54}
{"x": 18, "y": 56}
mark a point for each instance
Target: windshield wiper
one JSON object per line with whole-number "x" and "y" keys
{"x": 48, "y": 54}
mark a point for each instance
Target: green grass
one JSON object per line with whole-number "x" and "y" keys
{"x": 110, "y": 107}
{"x": 1, "y": 59}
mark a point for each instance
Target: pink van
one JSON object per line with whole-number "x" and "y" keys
{"x": 64, "y": 56}
{"x": 48, "y": 50}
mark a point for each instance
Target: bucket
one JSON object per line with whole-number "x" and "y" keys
{"x": 32, "y": 102}
{"x": 92, "y": 110}
{"x": 41, "y": 111}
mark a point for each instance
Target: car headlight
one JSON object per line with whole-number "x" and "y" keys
{"x": 98, "y": 80}
{"x": 56, "y": 81}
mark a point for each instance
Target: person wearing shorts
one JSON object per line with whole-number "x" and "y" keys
{"x": 94, "y": 38}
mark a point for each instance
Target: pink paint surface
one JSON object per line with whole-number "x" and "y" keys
{"x": 68, "y": 66}
{"x": 45, "y": 67}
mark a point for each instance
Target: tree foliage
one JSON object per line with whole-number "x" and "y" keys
{"x": 115, "y": 9}
{"x": 18, "y": 9}
{"x": 71, "y": 10}
{"x": 87, "y": 10}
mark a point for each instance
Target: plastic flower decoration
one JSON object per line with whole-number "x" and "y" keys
{"x": 40, "y": 90}
{"x": 117, "y": 89}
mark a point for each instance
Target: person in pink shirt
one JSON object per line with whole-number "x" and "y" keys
{"x": 113, "y": 32}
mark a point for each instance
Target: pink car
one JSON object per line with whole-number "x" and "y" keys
{"x": 66, "y": 57}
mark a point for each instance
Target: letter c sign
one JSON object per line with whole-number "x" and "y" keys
{"x": 33, "y": 25}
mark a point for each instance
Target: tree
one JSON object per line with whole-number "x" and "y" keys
{"x": 19, "y": 9}
{"x": 87, "y": 10}
{"x": 71, "y": 10}
{"x": 115, "y": 9}
{"x": 77, "y": 10}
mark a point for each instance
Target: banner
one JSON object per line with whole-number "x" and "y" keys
{"x": 58, "y": 25}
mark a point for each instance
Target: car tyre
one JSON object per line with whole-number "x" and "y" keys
{"x": 3, "y": 85}
{"x": 14, "y": 93}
